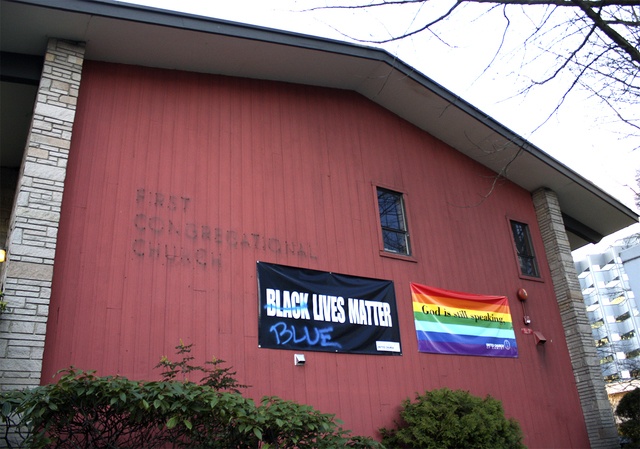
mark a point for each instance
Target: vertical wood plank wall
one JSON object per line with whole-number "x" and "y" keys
{"x": 179, "y": 182}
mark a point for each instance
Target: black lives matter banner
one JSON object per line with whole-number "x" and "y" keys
{"x": 312, "y": 310}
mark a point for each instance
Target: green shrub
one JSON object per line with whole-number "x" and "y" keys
{"x": 82, "y": 410}
{"x": 628, "y": 410}
{"x": 446, "y": 419}
{"x": 3, "y": 303}
{"x": 287, "y": 424}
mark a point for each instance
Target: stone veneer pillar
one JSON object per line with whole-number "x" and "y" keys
{"x": 597, "y": 411}
{"x": 28, "y": 272}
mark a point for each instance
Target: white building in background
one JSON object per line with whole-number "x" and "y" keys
{"x": 631, "y": 261}
{"x": 610, "y": 283}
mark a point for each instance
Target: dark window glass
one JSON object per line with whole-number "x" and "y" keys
{"x": 524, "y": 248}
{"x": 633, "y": 354}
{"x": 629, "y": 335}
{"x": 607, "y": 359}
{"x": 625, "y": 316}
{"x": 612, "y": 377}
{"x": 393, "y": 221}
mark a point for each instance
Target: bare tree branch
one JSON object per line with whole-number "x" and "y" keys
{"x": 595, "y": 42}
{"x": 590, "y": 3}
{"x": 419, "y": 30}
{"x": 633, "y": 52}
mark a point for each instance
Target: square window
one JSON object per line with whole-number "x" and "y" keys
{"x": 524, "y": 249}
{"x": 395, "y": 234}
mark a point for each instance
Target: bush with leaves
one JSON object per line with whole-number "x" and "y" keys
{"x": 446, "y": 419}
{"x": 287, "y": 424}
{"x": 82, "y": 410}
{"x": 3, "y": 303}
{"x": 628, "y": 410}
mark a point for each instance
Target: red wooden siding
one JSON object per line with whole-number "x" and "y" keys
{"x": 179, "y": 182}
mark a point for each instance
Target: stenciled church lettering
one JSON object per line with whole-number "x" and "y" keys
{"x": 161, "y": 200}
{"x": 174, "y": 254}
{"x": 162, "y": 235}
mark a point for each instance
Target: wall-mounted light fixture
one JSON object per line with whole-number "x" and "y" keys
{"x": 540, "y": 339}
{"x": 522, "y": 296}
{"x": 3, "y": 255}
{"x": 298, "y": 359}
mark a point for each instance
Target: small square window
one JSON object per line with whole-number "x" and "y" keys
{"x": 395, "y": 234}
{"x": 524, "y": 249}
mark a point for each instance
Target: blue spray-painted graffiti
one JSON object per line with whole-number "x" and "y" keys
{"x": 289, "y": 334}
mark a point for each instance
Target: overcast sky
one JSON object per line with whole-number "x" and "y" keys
{"x": 580, "y": 135}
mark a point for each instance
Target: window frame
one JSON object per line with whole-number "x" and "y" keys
{"x": 409, "y": 256}
{"x": 532, "y": 247}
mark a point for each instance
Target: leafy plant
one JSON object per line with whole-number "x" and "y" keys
{"x": 446, "y": 419}
{"x": 287, "y": 424}
{"x": 3, "y": 303}
{"x": 628, "y": 410}
{"x": 215, "y": 376}
{"x": 82, "y": 410}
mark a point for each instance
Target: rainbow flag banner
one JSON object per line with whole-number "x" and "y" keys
{"x": 449, "y": 322}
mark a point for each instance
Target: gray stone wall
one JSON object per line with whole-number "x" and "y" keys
{"x": 33, "y": 228}
{"x": 586, "y": 369}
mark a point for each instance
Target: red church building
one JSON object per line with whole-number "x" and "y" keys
{"x": 339, "y": 228}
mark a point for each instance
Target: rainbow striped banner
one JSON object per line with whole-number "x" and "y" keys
{"x": 449, "y": 322}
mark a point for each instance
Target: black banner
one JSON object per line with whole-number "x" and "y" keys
{"x": 314, "y": 310}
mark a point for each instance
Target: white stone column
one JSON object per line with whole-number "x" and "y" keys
{"x": 596, "y": 408}
{"x": 28, "y": 272}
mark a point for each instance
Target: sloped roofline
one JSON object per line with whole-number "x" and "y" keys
{"x": 132, "y": 34}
